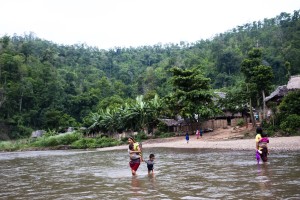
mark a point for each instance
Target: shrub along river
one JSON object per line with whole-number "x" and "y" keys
{"x": 178, "y": 174}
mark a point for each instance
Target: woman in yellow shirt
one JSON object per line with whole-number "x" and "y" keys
{"x": 261, "y": 141}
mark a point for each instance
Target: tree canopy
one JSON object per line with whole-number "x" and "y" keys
{"x": 43, "y": 83}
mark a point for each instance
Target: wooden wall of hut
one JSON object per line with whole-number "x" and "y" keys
{"x": 209, "y": 124}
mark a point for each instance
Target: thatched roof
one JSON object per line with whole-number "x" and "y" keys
{"x": 281, "y": 91}
{"x": 294, "y": 83}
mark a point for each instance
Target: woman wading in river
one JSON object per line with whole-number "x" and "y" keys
{"x": 135, "y": 163}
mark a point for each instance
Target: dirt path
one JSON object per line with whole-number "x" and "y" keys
{"x": 231, "y": 138}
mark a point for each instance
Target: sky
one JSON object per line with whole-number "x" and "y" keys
{"x": 131, "y": 23}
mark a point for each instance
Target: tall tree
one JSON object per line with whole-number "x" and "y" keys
{"x": 192, "y": 96}
{"x": 263, "y": 76}
{"x": 253, "y": 60}
{"x": 258, "y": 76}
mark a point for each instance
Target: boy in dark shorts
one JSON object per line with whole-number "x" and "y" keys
{"x": 150, "y": 163}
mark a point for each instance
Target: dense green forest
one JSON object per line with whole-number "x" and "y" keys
{"x": 44, "y": 85}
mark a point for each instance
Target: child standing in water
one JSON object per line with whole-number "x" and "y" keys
{"x": 187, "y": 137}
{"x": 150, "y": 163}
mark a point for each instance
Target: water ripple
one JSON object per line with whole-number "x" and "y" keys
{"x": 179, "y": 174}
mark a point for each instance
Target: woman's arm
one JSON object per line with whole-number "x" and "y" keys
{"x": 135, "y": 151}
{"x": 140, "y": 151}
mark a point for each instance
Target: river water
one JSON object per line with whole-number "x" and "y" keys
{"x": 178, "y": 174}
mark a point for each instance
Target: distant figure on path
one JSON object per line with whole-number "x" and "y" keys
{"x": 187, "y": 137}
{"x": 201, "y": 133}
{"x": 197, "y": 134}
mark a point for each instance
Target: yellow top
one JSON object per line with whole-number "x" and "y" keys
{"x": 257, "y": 139}
{"x": 135, "y": 147}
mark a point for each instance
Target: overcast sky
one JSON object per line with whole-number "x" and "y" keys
{"x": 124, "y": 23}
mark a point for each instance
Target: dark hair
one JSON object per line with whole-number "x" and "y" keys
{"x": 131, "y": 146}
{"x": 264, "y": 134}
{"x": 151, "y": 155}
{"x": 259, "y": 130}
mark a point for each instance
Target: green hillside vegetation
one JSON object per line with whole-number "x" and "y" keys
{"x": 44, "y": 85}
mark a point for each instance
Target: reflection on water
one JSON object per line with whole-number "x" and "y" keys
{"x": 178, "y": 174}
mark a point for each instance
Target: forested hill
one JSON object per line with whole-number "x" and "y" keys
{"x": 42, "y": 82}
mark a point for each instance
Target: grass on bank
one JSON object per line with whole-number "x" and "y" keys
{"x": 75, "y": 140}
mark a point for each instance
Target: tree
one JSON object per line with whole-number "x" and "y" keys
{"x": 228, "y": 62}
{"x": 263, "y": 76}
{"x": 290, "y": 103}
{"x": 257, "y": 77}
{"x": 234, "y": 101}
{"x": 139, "y": 113}
{"x": 192, "y": 96}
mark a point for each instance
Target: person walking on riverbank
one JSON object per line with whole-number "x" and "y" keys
{"x": 187, "y": 137}
{"x": 134, "y": 163}
{"x": 197, "y": 134}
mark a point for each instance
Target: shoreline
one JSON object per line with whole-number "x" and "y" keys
{"x": 276, "y": 144}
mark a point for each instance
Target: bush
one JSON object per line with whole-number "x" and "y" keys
{"x": 269, "y": 128}
{"x": 106, "y": 142}
{"x": 15, "y": 145}
{"x": 9, "y": 146}
{"x": 24, "y": 131}
{"x": 68, "y": 138}
{"x": 291, "y": 124}
{"x": 240, "y": 122}
{"x": 290, "y": 103}
{"x": 45, "y": 142}
{"x": 162, "y": 127}
{"x": 56, "y": 140}
{"x": 85, "y": 143}
{"x": 124, "y": 140}
{"x": 141, "y": 136}
{"x": 50, "y": 133}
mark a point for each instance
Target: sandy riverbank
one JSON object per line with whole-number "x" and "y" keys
{"x": 276, "y": 143}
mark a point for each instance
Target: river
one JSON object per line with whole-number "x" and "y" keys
{"x": 178, "y": 174}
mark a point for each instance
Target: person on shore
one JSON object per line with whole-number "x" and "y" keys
{"x": 201, "y": 133}
{"x": 187, "y": 137}
{"x": 134, "y": 163}
{"x": 197, "y": 134}
{"x": 150, "y": 163}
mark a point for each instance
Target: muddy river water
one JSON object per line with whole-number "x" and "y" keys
{"x": 178, "y": 174}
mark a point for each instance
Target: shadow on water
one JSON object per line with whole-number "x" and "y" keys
{"x": 178, "y": 174}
